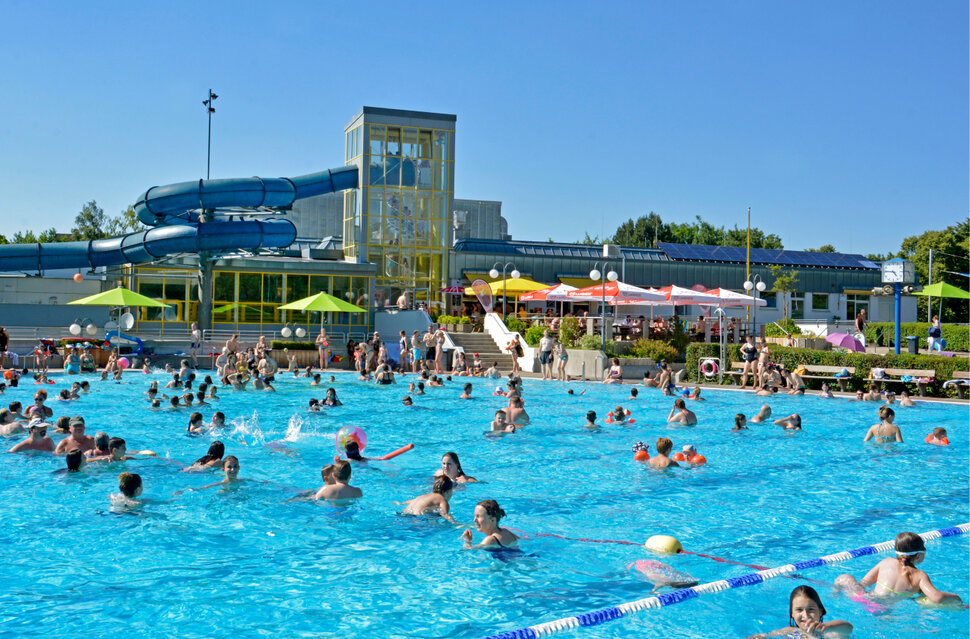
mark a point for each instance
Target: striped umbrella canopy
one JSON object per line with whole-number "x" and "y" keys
{"x": 680, "y": 296}
{"x": 616, "y": 290}
{"x": 557, "y": 293}
{"x": 733, "y": 298}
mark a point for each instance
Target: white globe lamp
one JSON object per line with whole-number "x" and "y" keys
{"x": 515, "y": 274}
{"x": 75, "y": 329}
{"x": 285, "y": 331}
{"x": 611, "y": 276}
{"x": 594, "y": 274}
{"x": 300, "y": 332}
{"x": 761, "y": 287}
{"x": 493, "y": 273}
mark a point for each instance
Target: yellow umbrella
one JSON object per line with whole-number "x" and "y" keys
{"x": 120, "y": 296}
{"x": 511, "y": 287}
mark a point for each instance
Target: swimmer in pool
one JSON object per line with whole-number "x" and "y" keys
{"x": 792, "y": 422}
{"x": 937, "y": 437}
{"x": 212, "y": 459}
{"x": 451, "y": 467}
{"x": 898, "y": 577}
{"x": 885, "y": 431}
{"x": 500, "y": 425}
{"x": 313, "y": 405}
{"x": 825, "y": 393}
{"x": 620, "y": 415}
{"x": 574, "y": 394}
{"x": 117, "y": 451}
{"x": 196, "y": 425}
{"x": 633, "y": 394}
{"x": 75, "y": 460}
{"x": 696, "y": 395}
{"x": 680, "y": 414}
{"x": 407, "y": 401}
{"x": 9, "y": 424}
{"x": 331, "y": 398}
{"x": 101, "y": 442}
{"x": 662, "y": 458}
{"x": 591, "y": 420}
{"x": 36, "y": 440}
{"x": 130, "y": 485}
{"x": 740, "y": 422}
{"x": 77, "y": 438}
{"x": 763, "y": 414}
{"x": 806, "y": 613}
{"x": 516, "y": 413}
{"x": 340, "y": 489}
{"x": 904, "y": 399}
{"x": 487, "y": 515}
{"x": 230, "y": 466}
{"x": 218, "y": 420}
{"x": 434, "y": 502}
{"x": 467, "y": 394}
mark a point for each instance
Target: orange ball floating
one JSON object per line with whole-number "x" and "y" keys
{"x": 641, "y": 455}
{"x": 78, "y": 277}
{"x": 679, "y": 457}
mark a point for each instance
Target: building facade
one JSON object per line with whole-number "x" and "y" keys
{"x": 480, "y": 219}
{"x": 400, "y": 217}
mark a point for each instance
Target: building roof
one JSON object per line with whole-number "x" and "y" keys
{"x": 552, "y": 249}
{"x": 735, "y": 254}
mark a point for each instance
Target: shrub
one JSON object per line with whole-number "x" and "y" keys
{"x": 654, "y": 349}
{"x": 863, "y": 363}
{"x": 515, "y": 325}
{"x": 786, "y": 323}
{"x": 452, "y": 319}
{"x": 569, "y": 331}
{"x": 293, "y": 346}
{"x": 590, "y": 343}
{"x": 533, "y": 334}
{"x": 64, "y": 341}
{"x": 884, "y": 334}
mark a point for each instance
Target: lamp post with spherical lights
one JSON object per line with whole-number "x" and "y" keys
{"x": 494, "y": 275}
{"x": 756, "y": 284}
{"x": 602, "y": 275}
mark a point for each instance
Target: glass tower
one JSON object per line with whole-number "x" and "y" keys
{"x": 399, "y": 217}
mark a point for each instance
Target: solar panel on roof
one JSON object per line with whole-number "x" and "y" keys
{"x": 696, "y": 252}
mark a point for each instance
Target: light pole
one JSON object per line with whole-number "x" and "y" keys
{"x": 494, "y": 275}
{"x": 759, "y": 286}
{"x": 597, "y": 274}
{"x": 210, "y": 109}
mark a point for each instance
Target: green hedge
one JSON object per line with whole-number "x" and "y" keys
{"x": 884, "y": 334}
{"x": 533, "y": 334}
{"x": 786, "y": 323}
{"x": 64, "y": 341}
{"x": 452, "y": 319}
{"x": 294, "y": 346}
{"x": 654, "y": 349}
{"x": 792, "y": 357}
{"x": 569, "y": 331}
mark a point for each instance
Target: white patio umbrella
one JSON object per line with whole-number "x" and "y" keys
{"x": 732, "y": 298}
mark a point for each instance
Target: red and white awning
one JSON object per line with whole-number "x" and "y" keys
{"x": 616, "y": 290}
{"x": 732, "y": 298}
{"x": 557, "y": 293}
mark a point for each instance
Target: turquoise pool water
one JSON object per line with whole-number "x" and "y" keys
{"x": 252, "y": 562}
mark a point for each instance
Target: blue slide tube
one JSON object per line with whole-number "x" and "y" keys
{"x": 166, "y": 208}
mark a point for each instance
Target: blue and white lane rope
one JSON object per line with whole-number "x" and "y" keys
{"x": 603, "y": 615}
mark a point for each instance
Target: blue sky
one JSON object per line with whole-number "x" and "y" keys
{"x": 842, "y": 123}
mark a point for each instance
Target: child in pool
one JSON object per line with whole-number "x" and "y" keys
{"x": 468, "y": 392}
{"x": 739, "y": 423}
{"x": 130, "y": 485}
{"x": 792, "y": 422}
{"x": 885, "y": 431}
{"x": 805, "y": 612}
{"x": 434, "y": 502}
{"x": 898, "y": 577}
{"x": 662, "y": 458}
{"x": 499, "y": 424}
{"x": 825, "y": 393}
{"x": 620, "y": 415}
{"x": 633, "y": 394}
{"x": 591, "y": 420}
{"x": 340, "y": 489}
{"x": 230, "y": 466}
{"x": 487, "y": 515}
{"x": 938, "y": 437}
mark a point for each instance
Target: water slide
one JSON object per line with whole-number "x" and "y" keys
{"x": 174, "y": 213}
{"x": 140, "y": 344}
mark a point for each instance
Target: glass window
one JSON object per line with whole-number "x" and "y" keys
{"x": 273, "y": 288}
{"x": 440, "y": 211}
{"x": 424, "y": 144}
{"x": 771, "y": 298}
{"x": 376, "y": 205}
{"x": 854, "y": 304}
{"x": 392, "y": 171}
{"x": 175, "y": 288}
{"x": 438, "y": 232}
{"x": 425, "y": 178}
{"x": 408, "y": 172}
{"x": 410, "y": 140}
{"x": 297, "y": 287}
{"x": 423, "y": 202}
{"x": 441, "y": 145}
{"x": 441, "y": 181}
{"x": 820, "y": 301}
{"x": 223, "y": 287}
{"x": 407, "y": 204}
{"x": 392, "y": 231}
{"x": 319, "y": 284}
{"x": 249, "y": 284}
{"x": 341, "y": 288}
{"x": 393, "y": 141}
{"x": 376, "y": 139}
{"x": 421, "y": 234}
{"x": 376, "y": 164}
{"x": 151, "y": 287}
{"x": 407, "y": 232}
{"x": 797, "y": 307}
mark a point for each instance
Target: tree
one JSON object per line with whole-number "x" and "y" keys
{"x": 951, "y": 252}
{"x": 50, "y": 235}
{"x": 825, "y": 248}
{"x": 127, "y": 222}
{"x": 649, "y": 229}
{"x": 90, "y": 223}
{"x": 3, "y": 239}
{"x": 590, "y": 240}
{"x": 23, "y": 237}
{"x": 785, "y": 282}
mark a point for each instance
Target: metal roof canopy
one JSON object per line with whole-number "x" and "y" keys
{"x": 553, "y": 249}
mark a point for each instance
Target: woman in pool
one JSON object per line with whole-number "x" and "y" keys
{"x": 211, "y": 459}
{"x": 230, "y": 466}
{"x": 451, "y": 467}
{"x": 805, "y": 611}
{"x": 487, "y": 515}
{"x": 885, "y": 431}
{"x": 898, "y": 577}
{"x": 331, "y": 399}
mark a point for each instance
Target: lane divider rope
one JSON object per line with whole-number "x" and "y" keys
{"x": 603, "y": 615}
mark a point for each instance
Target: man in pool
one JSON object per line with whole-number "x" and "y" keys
{"x": 434, "y": 502}
{"x": 10, "y": 425}
{"x": 77, "y": 438}
{"x": 340, "y": 489}
{"x": 36, "y": 440}
{"x": 467, "y": 394}
{"x": 763, "y": 414}
{"x": 515, "y": 411}
{"x": 680, "y": 414}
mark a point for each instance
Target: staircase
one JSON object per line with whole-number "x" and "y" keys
{"x": 482, "y": 344}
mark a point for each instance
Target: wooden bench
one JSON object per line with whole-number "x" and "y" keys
{"x": 831, "y": 371}
{"x": 896, "y": 373}
{"x": 961, "y": 379}
{"x": 738, "y": 367}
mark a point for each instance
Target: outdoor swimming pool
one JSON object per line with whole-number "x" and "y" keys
{"x": 250, "y": 562}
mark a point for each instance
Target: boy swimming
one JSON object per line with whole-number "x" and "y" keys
{"x": 434, "y": 502}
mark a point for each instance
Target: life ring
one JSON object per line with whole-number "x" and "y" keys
{"x": 709, "y": 368}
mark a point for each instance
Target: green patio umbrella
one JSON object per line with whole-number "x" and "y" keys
{"x": 942, "y": 289}
{"x": 323, "y": 302}
{"x": 118, "y": 297}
